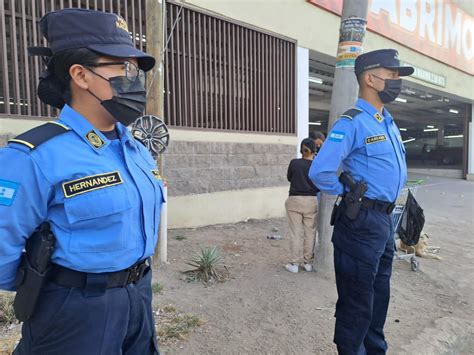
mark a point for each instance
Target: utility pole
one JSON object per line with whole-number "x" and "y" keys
{"x": 155, "y": 11}
{"x": 344, "y": 94}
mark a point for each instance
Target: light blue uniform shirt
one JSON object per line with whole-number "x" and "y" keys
{"x": 103, "y": 202}
{"x": 370, "y": 148}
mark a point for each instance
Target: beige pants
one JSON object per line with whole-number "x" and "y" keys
{"x": 302, "y": 212}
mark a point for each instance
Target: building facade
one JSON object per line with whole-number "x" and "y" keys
{"x": 245, "y": 81}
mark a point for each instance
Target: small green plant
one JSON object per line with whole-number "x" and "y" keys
{"x": 173, "y": 325}
{"x": 180, "y": 237}
{"x": 156, "y": 287}
{"x": 205, "y": 263}
{"x": 7, "y": 315}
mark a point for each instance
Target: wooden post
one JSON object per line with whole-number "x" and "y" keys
{"x": 155, "y": 34}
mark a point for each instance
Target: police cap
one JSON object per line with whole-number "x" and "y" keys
{"x": 382, "y": 58}
{"x": 102, "y": 32}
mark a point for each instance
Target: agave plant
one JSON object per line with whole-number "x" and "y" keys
{"x": 206, "y": 262}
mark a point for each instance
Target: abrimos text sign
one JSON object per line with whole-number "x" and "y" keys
{"x": 436, "y": 28}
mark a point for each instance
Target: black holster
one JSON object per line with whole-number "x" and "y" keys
{"x": 33, "y": 271}
{"x": 336, "y": 213}
{"x": 352, "y": 200}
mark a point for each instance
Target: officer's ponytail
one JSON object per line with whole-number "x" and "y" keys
{"x": 54, "y": 86}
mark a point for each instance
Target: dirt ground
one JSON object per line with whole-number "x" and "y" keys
{"x": 263, "y": 309}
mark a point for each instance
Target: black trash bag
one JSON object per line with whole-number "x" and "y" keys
{"x": 411, "y": 222}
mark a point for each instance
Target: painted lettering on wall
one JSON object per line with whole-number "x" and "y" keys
{"x": 436, "y": 28}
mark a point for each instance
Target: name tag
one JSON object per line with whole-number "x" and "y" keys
{"x": 91, "y": 183}
{"x": 375, "y": 139}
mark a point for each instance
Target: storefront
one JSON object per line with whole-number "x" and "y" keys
{"x": 435, "y": 36}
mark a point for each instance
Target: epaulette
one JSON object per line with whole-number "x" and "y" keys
{"x": 38, "y": 135}
{"x": 351, "y": 113}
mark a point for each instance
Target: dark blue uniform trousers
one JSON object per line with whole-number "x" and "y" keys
{"x": 363, "y": 255}
{"x": 73, "y": 321}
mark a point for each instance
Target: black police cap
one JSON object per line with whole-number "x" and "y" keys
{"x": 102, "y": 32}
{"x": 382, "y": 58}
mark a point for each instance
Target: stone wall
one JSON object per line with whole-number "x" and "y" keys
{"x": 206, "y": 167}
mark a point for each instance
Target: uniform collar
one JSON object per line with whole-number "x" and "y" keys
{"x": 88, "y": 133}
{"x": 372, "y": 111}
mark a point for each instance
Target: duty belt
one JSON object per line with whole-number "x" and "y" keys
{"x": 381, "y": 206}
{"x": 72, "y": 278}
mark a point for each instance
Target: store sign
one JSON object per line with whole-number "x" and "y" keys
{"x": 436, "y": 28}
{"x": 426, "y": 75}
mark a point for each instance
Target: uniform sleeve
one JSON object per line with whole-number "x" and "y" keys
{"x": 323, "y": 171}
{"x": 24, "y": 193}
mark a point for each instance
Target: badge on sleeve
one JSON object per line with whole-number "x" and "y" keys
{"x": 8, "y": 190}
{"x": 337, "y": 136}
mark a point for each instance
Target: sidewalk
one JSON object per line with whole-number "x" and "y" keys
{"x": 265, "y": 310}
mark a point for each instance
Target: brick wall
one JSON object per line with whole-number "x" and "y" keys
{"x": 205, "y": 167}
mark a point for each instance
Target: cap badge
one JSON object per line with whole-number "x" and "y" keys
{"x": 120, "y": 23}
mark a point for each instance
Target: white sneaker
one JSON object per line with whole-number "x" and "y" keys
{"x": 292, "y": 268}
{"x": 308, "y": 267}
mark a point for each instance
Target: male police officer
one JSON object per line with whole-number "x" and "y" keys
{"x": 365, "y": 143}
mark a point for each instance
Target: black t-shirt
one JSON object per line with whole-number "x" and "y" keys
{"x": 300, "y": 184}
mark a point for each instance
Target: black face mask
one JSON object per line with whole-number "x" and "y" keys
{"x": 129, "y": 100}
{"x": 391, "y": 89}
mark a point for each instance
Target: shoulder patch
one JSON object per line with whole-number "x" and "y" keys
{"x": 38, "y": 135}
{"x": 8, "y": 190}
{"x": 351, "y": 113}
{"x": 337, "y": 136}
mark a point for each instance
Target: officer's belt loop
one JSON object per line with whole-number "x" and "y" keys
{"x": 96, "y": 284}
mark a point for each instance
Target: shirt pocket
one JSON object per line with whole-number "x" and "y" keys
{"x": 98, "y": 220}
{"x": 379, "y": 148}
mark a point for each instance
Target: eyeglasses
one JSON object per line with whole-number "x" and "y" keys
{"x": 132, "y": 72}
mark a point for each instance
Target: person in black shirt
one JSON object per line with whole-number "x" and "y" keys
{"x": 302, "y": 209}
{"x": 318, "y": 138}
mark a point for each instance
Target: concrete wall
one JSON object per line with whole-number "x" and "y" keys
{"x": 317, "y": 29}
{"x": 208, "y": 167}
{"x": 224, "y": 177}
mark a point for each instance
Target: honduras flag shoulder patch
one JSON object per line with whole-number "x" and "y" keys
{"x": 8, "y": 190}
{"x": 337, "y": 136}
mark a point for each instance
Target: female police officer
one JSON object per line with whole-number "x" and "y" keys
{"x": 94, "y": 184}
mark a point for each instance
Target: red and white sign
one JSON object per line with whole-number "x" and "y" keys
{"x": 436, "y": 28}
